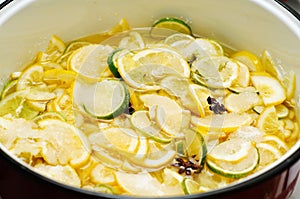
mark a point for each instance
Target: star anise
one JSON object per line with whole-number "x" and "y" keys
{"x": 215, "y": 105}
{"x": 188, "y": 166}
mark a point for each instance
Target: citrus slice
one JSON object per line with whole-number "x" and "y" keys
{"x": 289, "y": 83}
{"x": 232, "y": 150}
{"x": 111, "y": 61}
{"x": 241, "y": 102}
{"x": 63, "y": 174}
{"x": 102, "y": 175}
{"x": 65, "y": 144}
{"x": 31, "y": 77}
{"x": 63, "y": 78}
{"x": 109, "y": 98}
{"x": 276, "y": 142}
{"x": 49, "y": 115}
{"x": 268, "y": 120}
{"x": 243, "y": 78}
{"x": 143, "y": 69}
{"x": 226, "y": 122}
{"x": 16, "y": 105}
{"x": 141, "y": 121}
{"x": 168, "y": 112}
{"x": 200, "y": 48}
{"x": 249, "y": 59}
{"x": 268, "y": 154}
{"x": 178, "y": 40}
{"x": 124, "y": 139}
{"x": 195, "y": 145}
{"x": 133, "y": 41}
{"x": 180, "y": 87}
{"x": 90, "y": 61}
{"x": 190, "y": 186}
{"x": 8, "y": 88}
{"x": 269, "y": 89}
{"x": 236, "y": 169}
{"x": 55, "y": 47}
{"x": 142, "y": 184}
{"x": 74, "y": 46}
{"x": 173, "y": 24}
{"x": 282, "y": 111}
{"x": 271, "y": 66}
{"x": 201, "y": 94}
{"x": 104, "y": 188}
{"x": 216, "y": 71}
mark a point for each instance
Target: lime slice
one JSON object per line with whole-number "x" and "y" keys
{"x": 216, "y": 71}
{"x": 268, "y": 120}
{"x": 269, "y": 89}
{"x": 16, "y": 105}
{"x": 232, "y": 150}
{"x": 249, "y": 59}
{"x": 90, "y": 61}
{"x": 8, "y": 88}
{"x": 111, "y": 61}
{"x": 143, "y": 69}
{"x": 226, "y": 122}
{"x": 104, "y": 188}
{"x": 236, "y": 169}
{"x": 168, "y": 113}
{"x": 49, "y": 115}
{"x": 173, "y": 24}
{"x": 141, "y": 121}
{"x": 195, "y": 145}
{"x": 109, "y": 98}
{"x": 190, "y": 186}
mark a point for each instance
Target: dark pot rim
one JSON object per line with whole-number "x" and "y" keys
{"x": 284, "y": 165}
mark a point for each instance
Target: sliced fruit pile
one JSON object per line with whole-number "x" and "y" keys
{"x": 148, "y": 112}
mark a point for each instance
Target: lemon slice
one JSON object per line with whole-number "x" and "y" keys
{"x": 289, "y": 83}
{"x": 63, "y": 174}
{"x": 102, "y": 175}
{"x": 271, "y": 66}
{"x": 178, "y": 40}
{"x": 141, "y": 121}
{"x": 133, "y": 41}
{"x": 216, "y": 71}
{"x": 226, "y": 122}
{"x": 249, "y": 59}
{"x": 190, "y": 186}
{"x": 233, "y": 150}
{"x": 63, "y": 78}
{"x": 235, "y": 169}
{"x": 268, "y": 120}
{"x": 31, "y": 77}
{"x": 124, "y": 139}
{"x": 173, "y": 24}
{"x": 49, "y": 115}
{"x": 143, "y": 69}
{"x": 65, "y": 144}
{"x": 201, "y": 94}
{"x": 109, "y": 98}
{"x": 269, "y": 89}
{"x": 268, "y": 154}
{"x": 180, "y": 87}
{"x": 90, "y": 61}
{"x": 168, "y": 112}
{"x": 55, "y": 48}
{"x": 243, "y": 78}
{"x": 243, "y": 101}
{"x": 142, "y": 184}
{"x": 276, "y": 142}
{"x": 282, "y": 111}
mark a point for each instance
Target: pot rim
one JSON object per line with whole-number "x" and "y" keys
{"x": 289, "y": 159}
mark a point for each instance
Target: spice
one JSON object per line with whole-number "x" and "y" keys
{"x": 215, "y": 105}
{"x": 189, "y": 166}
{"x": 130, "y": 110}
